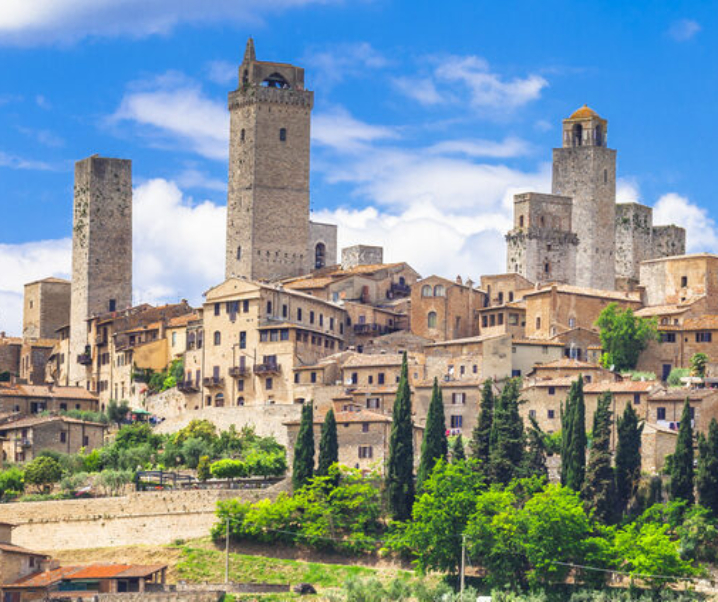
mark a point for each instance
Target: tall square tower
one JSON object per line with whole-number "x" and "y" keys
{"x": 268, "y": 191}
{"x": 101, "y": 249}
{"x": 585, "y": 170}
{"x": 46, "y": 308}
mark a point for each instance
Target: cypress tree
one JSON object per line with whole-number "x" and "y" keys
{"x": 507, "y": 436}
{"x": 328, "y": 445}
{"x": 628, "y": 457}
{"x": 573, "y": 463}
{"x": 599, "y": 488}
{"x": 457, "y": 450}
{"x": 535, "y": 459}
{"x": 682, "y": 465}
{"x": 481, "y": 437}
{"x": 400, "y": 469}
{"x": 434, "y": 444}
{"x": 707, "y": 474}
{"x": 303, "y": 467}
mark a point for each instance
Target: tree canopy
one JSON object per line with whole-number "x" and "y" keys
{"x": 623, "y": 336}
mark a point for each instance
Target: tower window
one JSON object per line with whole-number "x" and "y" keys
{"x": 598, "y": 132}
{"x": 241, "y": 135}
{"x": 521, "y": 221}
{"x": 320, "y": 255}
{"x": 113, "y": 304}
{"x": 282, "y": 134}
{"x": 577, "y": 134}
{"x": 431, "y": 319}
{"x": 546, "y": 268}
{"x": 605, "y": 176}
{"x": 239, "y": 252}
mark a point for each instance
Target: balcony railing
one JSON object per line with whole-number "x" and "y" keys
{"x": 213, "y": 381}
{"x": 84, "y": 359}
{"x": 239, "y": 372}
{"x": 397, "y": 289}
{"x": 187, "y": 386}
{"x": 100, "y": 339}
{"x": 24, "y": 442}
{"x": 270, "y": 368}
{"x": 373, "y": 328}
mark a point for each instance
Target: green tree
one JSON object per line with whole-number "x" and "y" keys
{"x": 481, "y": 437}
{"x": 400, "y": 469}
{"x": 624, "y": 336}
{"x": 457, "y": 450}
{"x": 303, "y": 467}
{"x": 573, "y": 445}
{"x": 599, "y": 488}
{"x": 117, "y": 412}
{"x": 707, "y": 471}
{"x": 12, "y": 482}
{"x": 434, "y": 445}
{"x": 628, "y": 457}
{"x": 134, "y": 435}
{"x": 328, "y": 445}
{"x": 535, "y": 457}
{"x": 43, "y": 472}
{"x": 507, "y": 436}
{"x": 198, "y": 428}
{"x": 682, "y": 485}
{"x": 699, "y": 362}
{"x": 440, "y": 515}
{"x": 203, "y": 472}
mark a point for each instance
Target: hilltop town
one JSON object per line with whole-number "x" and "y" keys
{"x": 298, "y": 322}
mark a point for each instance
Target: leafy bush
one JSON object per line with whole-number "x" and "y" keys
{"x": 193, "y": 449}
{"x": 114, "y": 481}
{"x": 197, "y": 429}
{"x": 43, "y": 472}
{"x": 73, "y": 482}
{"x": 12, "y": 482}
{"x": 203, "y": 471}
{"x": 674, "y": 378}
{"x": 228, "y": 469}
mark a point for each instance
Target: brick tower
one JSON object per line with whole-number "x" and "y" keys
{"x": 101, "y": 249}
{"x": 268, "y": 230}
{"x": 585, "y": 170}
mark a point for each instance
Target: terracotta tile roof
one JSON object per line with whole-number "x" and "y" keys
{"x": 94, "y": 571}
{"x": 447, "y": 384}
{"x": 680, "y": 394}
{"x": 10, "y": 340}
{"x": 661, "y": 310}
{"x": 145, "y": 328}
{"x": 42, "y": 579}
{"x": 51, "y": 280}
{"x": 182, "y": 320}
{"x": 626, "y": 386}
{"x": 310, "y": 283}
{"x": 46, "y": 392}
{"x": 537, "y": 342}
{"x": 30, "y": 422}
{"x": 707, "y": 322}
{"x": 565, "y": 362}
{"x": 360, "y": 360}
{"x": 372, "y": 390}
{"x": 141, "y": 570}
{"x": 39, "y": 342}
{"x": 475, "y": 339}
{"x": 630, "y": 297}
{"x": 12, "y": 549}
{"x": 360, "y": 415}
{"x": 550, "y": 382}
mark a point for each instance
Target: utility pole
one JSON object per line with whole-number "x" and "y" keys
{"x": 463, "y": 568}
{"x": 226, "y": 553}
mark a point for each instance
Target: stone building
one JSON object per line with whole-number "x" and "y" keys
{"x": 46, "y": 308}
{"x": 681, "y": 280}
{"x": 442, "y": 309}
{"x": 10, "y": 348}
{"x": 578, "y": 235}
{"x": 34, "y": 355}
{"x": 24, "y": 439}
{"x": 28, "y": 400}
{"x": 101, "y": 249}
{"x": 269, "y": 235}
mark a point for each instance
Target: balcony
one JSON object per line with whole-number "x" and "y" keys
{"x": 24, "y": 442}
{"x": 397, "y": 289}
{"x": 373, "y": 328}
{"x": 270, "y": 368}
{"x": 213, "y": 382}
{"x": 100, "y": 339}
{"x": 187, "y": 386}
{"x": 84, "y": 359}
{"x": 239, "y": 372}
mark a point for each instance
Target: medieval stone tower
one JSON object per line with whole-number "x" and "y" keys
{"x": 101, "y": 248}
{"x": 269, "y": 235}
{"x": 585, "y": 170}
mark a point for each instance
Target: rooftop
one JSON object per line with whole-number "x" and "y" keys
{"x": 632, "y": 297}
{"x": 585, "y": 112}
{"x": 38, "y": 420}
{"x": 46, "y": 392}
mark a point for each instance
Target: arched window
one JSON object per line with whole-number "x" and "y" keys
{"x": 577, "y": 134}
{"x": 282, "y": 134}
{"x": 511, "y": 296}
{"x": 402, "y": 281}
{"x": 219, "y": 400}
{"x": 276, "y": 80}
{"x": 240, "y": 401}
{"x": 501, "y": 298}
{"x": 426, "y": 290}
{"x": 599, "y": 135}
{"x": 320, "y": 255}
{"x": 438, "y": 290}
{"x": 431, "y": 319}
{"x": 239, "y": 252}
{"x": 217, "y": 337}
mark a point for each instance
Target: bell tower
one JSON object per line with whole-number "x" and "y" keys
{"x": 268, "y": 188}
{"x": 585, "y": 170}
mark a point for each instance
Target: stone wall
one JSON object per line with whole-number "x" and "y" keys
{"x": 634, "y": 238}
{"x": 266, "y": 420}
{"x": 361, "y": 255}
{"x": 668, "y": 241}
{"x": 136, "y": 519}
{"x": 327, "y": 235}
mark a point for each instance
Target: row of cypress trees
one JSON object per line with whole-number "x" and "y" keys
{"x": 303, "y": 466}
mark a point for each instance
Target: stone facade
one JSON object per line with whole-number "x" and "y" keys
{"x": 361, "y": 255}
{"x": 681, "y": 280}
{"x": 268, "y": 228}
{"x": 638, "y": 240}
{"x": 322, "y": 248}
{"x": 46, "y": 308}
{"x": 101, "y": 248}
{"x": 27, "y": 400}
{"x": 542, "y": 245}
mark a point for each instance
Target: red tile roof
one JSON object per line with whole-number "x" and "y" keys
{"x": 93, "y": 571}
{"x": 46, "y": 392}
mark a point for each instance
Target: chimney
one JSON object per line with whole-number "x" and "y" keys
{"x": 459, "y": 280}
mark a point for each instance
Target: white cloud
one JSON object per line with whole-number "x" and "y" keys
{"x": 194, "y": 178}
{"x": 509, "y": 147}
{"x": 701, "y": 230}
{"x": 684, "y": 29}
{"x": 487, "y": 91}
{"x": 627, "y": 191}
{"x": 341, "y": 61}
{"x": 342, "y": 132}
{"x": 170, "y": 109}
{"x": 15, "y": 162}
{"x": 222, "y": 72}
{"x": 44, "y": 137}
{"x": 47, "y": 21}
{"x": 23, "y": 263}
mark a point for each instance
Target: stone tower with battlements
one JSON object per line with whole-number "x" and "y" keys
{"x": 585, "y": 170}
{"x": 269, "y": 235}
{"x": 101, "y": 250}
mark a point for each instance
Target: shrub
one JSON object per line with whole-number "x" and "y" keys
{"x": 131, "y": 435}
{"x": 228, "y": 469}
{"x": 12, "y": 482}
{"x": 196, "y": 429}
{"x": 193, "y": 449}
{"x": 203, "y": 472}
{"x": 42, "y": 472}
{"x": 674, "y": 378}
{"x": 114, "y": 481}
{"x": 73, "y": 482}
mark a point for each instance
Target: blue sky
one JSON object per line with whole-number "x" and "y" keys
{"x": 426, "y": 121}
